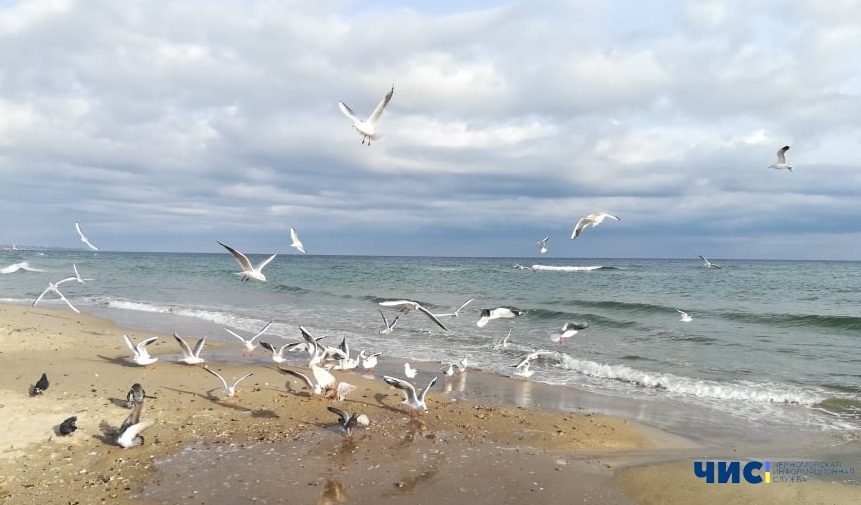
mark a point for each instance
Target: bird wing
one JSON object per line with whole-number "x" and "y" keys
{"x": 131, "y": 432}
{"x": 324, "y": 379}
{"x": 464, "y": 305}
{"x": 237, "y": 381}
{"x": 781, "y": 155}
{"x": 261, "y": 332}
{"x": 235, "y": 335}
{"x": 240, "y": 258}
{"x": 186, "y": 350}
{"x": 133, "y": 418}
{"x": 213, "y": 372}
{"x": 131, "y": 344}
{"x": 67, "y": 302}
{"x": 43, "y": 294}
{"x": 84, "y": 238}
{"x": 343, "y": 415}
{"x": 142, "y": 345}
{"x": 267, "y": 346}
{"x": 385, "y": 321}
{"x": 299, "y": 375}
{"x": 396, "y": 303}
{"x": 265, "y": 262}
{"x": 348, "y": 112}
{"x": 426, "y": 389}
{"x": 431, "y": 316}
{"x": 406, "y": 387}
{"x": 198, "y": 347}
{"x": 579, "y": 227}
{"x": 375, "y": 116}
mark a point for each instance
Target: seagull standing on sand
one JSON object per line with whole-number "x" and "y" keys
{"x": 348, "y": 421}
{"x": 324, "y": 383}
{"x": 489, "y": 314}
{"x": 781, "y": 160}
{"x": 129, "y": 434}
{"x": 190, "y": 356}
{"x": 367, "y": 128}
{"x": 294, "y": 236}
{"x": 707, "y": 263}
{"x": 594, "y": 219}
{"x": 415, "y": 401}
{"x": 141, "y": 355}
{"x": 409, "y": 305}
{"x": 249, "y": 343}
{"x": 248, "y": 270}
{"x": 84, "y": 239}
{"x": 684, "y": 316}
{"x": 229, "y": 390}
{"x": 542, "y": 245}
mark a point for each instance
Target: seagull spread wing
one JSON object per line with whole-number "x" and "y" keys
{"x": 375, "y": 116}
{"x": 348, "y": 112}
{"x": 240, "y": 258}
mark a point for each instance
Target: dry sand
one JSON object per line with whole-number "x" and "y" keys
{"x": 275, "y": 444}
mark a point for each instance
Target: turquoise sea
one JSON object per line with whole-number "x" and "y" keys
{"x": 770, "y": 341}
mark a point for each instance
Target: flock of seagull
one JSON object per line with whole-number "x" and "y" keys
{"x": 324, "y": 359}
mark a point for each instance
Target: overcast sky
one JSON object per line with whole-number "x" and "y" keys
{"x": 165, "y": 126}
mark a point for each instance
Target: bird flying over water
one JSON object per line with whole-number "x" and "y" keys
{"x": 409, "y": 305}
{"x": 542, "y": 245}
{"x": 248, "y": 270}
{"x": 368, "y": 128}
{"x": 84, "y": 239}
{"x": 294, "y": 237}
{"x": 707, "y": 263}
{"x": 592, "y": 219}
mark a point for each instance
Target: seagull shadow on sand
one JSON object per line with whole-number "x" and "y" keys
{"x": 122, "y": 361}
{"x": 107, "y": 433}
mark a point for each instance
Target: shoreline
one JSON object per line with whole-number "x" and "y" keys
{"x": 90, "y": 376}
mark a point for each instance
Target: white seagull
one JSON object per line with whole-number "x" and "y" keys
{"x": 141, "y": 355}
{"x": 522, "y": 369}
{"x": 707, "y": 263}
{"x": 190, "y": 356}
{"x": 488, "y": 314}
{"x": 369, "y": 361}
{"x": 416, "y": 402}
{"x": 129, "y": 434}
{"x": 324, "y": 383}
{"x": 296, "y": 242}
{"x": 389, "y": 325}
{"x": 542, "y": 245}
{"x": 594, "y": 219}
{"x": 684, "y": 316}
{"x": 456, "y": 312}
{"x": 409, "y": 305}
{"x": 781, "y": 160}
{"x": 409, "y": 371}
{"x": 84, "y": 238}
{"x": 248, "y": 270}
{"x": 278, "y": 354}
{"x": 249, "y": 343}
{"x": 228, "y": 390}
{"x": 367, "y": 129}
{"x": 568, "y": 331}
{"x": 52, "y": 287}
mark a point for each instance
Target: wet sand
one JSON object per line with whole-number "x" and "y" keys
{"x": 275, "y": 443}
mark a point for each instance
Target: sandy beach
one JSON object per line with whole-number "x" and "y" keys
{"x": 274, "y": 443}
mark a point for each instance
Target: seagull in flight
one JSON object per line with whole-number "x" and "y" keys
{"x": 521, "y": 267}
{"x": 249, "y": 343}
{"x": 781, "y": 160}
{"x": 542, "y": 245}
{"x": 409, "y": 305}
{"x": 415, "y": 401}
{"x": 707, "y": 263}
{"x": 249, "y": 271}
{"x": 684, "y": 316}
{"x": 488, "y": 314}
{"x": 52, "y": 287}
{"x": 390, "y": 326}
{"x": 324, "y": 383}
{"x": 294, "y": 236}
{"x": 190, "y": 356}
{"x": 228, "y": 390}
{"x": 568, "y": 331}
{"x": 367, "y": 128}
{"x": 141, "y": 355}
{"x": 84, "y": 238}
{"x": 594, "y": 219}
{"x": 456, "y": 312}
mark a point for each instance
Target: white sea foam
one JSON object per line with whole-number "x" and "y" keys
{"x": 690, "y": 387}
{"x": 218, "y": 317}
{"x": 553, "y": 268}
